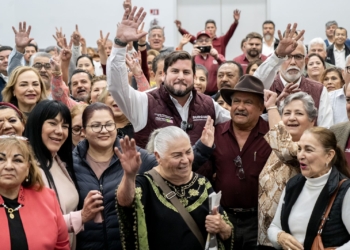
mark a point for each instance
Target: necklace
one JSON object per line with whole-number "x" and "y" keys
{"x": 11, "y": 210}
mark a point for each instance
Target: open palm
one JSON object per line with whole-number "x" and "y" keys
{"x": 22, "y": 35}
{"x": 127, "y": 30}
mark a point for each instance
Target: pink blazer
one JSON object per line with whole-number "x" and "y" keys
{"x": 42, "y": 221}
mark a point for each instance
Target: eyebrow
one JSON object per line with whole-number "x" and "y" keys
{"x": 16, "y": 155}
{"x": 173, "y": 153}
{"x": 2, "y": 154}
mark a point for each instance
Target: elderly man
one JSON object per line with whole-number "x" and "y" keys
{"x": 289, "y": 60}
{"x": 228, "y": 74}
{"x": 338, "y": 98}
{"x": 240, "y": 155}
{"x": 174, "y": 103}
{"x": 219, "y": 43}
{"x": 156, "y": 39}
{"x": 318, "y": 46}
{"x": 270, "y": 43}
{"x": 211, "y": 59}
{"x": 338, "y": 51}
{"x": 5, "y": 51}
{"x": 253, "y": 47}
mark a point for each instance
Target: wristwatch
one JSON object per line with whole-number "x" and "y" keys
{"x": 120, "y": 43}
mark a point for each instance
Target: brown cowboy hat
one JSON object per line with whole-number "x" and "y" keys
{"x": 248, "y": 84}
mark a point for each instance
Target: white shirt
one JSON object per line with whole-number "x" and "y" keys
{"x": 300, "y": 214}
{"x": 338, "y": 101}
{"x": 339, "y": 57}
{"x": 98, "y": 68}
{"x": 266, "y": 49}
{"x": 6, "y": 78}
{"x": 133, "y": 103}
{"x": 267, "y": 72}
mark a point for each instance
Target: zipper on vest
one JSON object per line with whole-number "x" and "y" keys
{"x": 103, "y": 217}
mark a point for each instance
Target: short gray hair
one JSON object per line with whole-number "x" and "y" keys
{"x": 318, "y": 40}
{"x": 161, "y": 139}
{"x": 330, "y": 23}
{"x": 156, "y": 27}
{"x": 52, "y": 48}
{"x": 308, "y": 103}
{"x": 39, "y": 54}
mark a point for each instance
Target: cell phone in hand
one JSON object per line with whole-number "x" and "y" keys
{"x": 204, "y": 49}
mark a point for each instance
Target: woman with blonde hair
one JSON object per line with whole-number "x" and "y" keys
{"x": 76, "y": 113}
{"x": 24, "y": 89}
{"x": 30, "y": 214}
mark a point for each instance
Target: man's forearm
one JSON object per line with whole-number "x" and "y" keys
{"x": 15, "y": 61}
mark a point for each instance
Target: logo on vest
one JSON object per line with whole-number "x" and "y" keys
{"x": 197, "y": 118}
{"x": 164, "y": 118}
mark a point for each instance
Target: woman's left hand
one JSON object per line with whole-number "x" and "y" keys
{"x": 269, "y": 98}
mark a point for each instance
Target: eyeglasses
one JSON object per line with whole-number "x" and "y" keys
{"x": 297, "y": 57}
{"x": 40, "y": 65}
{"x": 97, "y": 128}
{"x": 76, "y": 130}
{"x": 239, "y": 171}
{"x": 203, "y": 40}
{"x": 347, "y": 69}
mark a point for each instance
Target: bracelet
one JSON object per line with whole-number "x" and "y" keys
{"x": 120, "y": 43}
{"x": 273, "y": 107}
{"x": 141, "y": 45}
{"x": 279, "y": 236}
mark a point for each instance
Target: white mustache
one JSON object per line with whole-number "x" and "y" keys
{"x": 293, "y": 67}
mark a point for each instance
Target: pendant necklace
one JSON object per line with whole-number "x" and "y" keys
{"x": 11, "y": 210}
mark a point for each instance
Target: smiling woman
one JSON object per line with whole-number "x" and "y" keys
{"x": 24, "y": 89}
{"x": 11, "y": 120}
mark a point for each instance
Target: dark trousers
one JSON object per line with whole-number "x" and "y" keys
{"x": 245, "y": 226}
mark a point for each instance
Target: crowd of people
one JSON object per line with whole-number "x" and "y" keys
{"x": 125, "y": 146}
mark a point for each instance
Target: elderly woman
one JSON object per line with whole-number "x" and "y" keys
{"x": 97, "y": 167}
{"x": 157, "y": 223}
{"x": 332, "y": 79}
{"x": 298, "y": 113}
{"x": 29, "y": 213}
{"x": 11, "y": 120}
{"x": 304, "y": 200}
{"x": 49, "y": 130}
{"x": 24, "y": 89}
{"x": 315, "y": 66}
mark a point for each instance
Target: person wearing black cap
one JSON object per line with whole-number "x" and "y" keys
{"x": 240, "y": 154}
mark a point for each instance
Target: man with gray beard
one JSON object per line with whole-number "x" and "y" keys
{"x": 289, "y": 60}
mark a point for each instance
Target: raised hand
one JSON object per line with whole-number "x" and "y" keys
{"x": 142, "y": 40}
{"x": 178, "y": 24}
{"x": 76, "y": 36}
{"x": 236, "y": 15}
{"x": 55, "y": 61}
{"x": 134, "y": 63}
{"x": 101, "y": 43}
{"x": 207, "y": 137}
{"x": 22, "y": 36}
{"x": 127, "y": 4}
{"x": 287, "y": 43}
{"x": 185, "y": 39}
{"x": 129, "y": 157}
{"x": 59, "y": 37}
{"x": 290, "y": 88}
{"x": 128, "y": 28}
{"x": 269, "y": 98}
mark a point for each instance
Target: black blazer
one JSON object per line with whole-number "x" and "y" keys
{"x": 330, "y": 54}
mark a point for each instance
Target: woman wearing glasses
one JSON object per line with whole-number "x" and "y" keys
{"x": 96, "y": 166}
{"x": 24, "y": 89}
{"x": 11, "y": 120}
{"x": 29, "y": 213}
{"x": 49, "y": 130}
{"x": 297, "y": 113}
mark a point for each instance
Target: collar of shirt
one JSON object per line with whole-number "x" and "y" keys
{"x": 337, "y": 50}
{"x": 259, "y": 128}
{"x": 4, "y": 77}
{"x": 285, "y": 82}
{"x": 337, "y": 93}
{"x": 184, "y": 114}
{"x": 272, "y": 44}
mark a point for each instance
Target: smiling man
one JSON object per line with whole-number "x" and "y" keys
{"x": 156, "y": 39}
{"x": 174, "y": 103}
{"x": 338, "y": 51}
{"x": 289, "y": 60}
{"x": 5, "y": 51}
{"x": 80, "y": 85}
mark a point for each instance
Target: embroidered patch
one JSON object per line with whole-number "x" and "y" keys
{"x": 197, "y": 118}
{"x": 164, "y": 118}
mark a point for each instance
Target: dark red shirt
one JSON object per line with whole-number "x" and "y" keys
{"x": 242, "y": 60}
{"x": 212, "y": 65}
{"x": 238, "y": 193}
{"x": 219, "y": 43}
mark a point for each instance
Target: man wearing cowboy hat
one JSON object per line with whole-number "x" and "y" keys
{"x": 240, "y": 154}
{"x": 289, "y": 60}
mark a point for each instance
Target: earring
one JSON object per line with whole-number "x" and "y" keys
{"x": 27, "y": 179}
